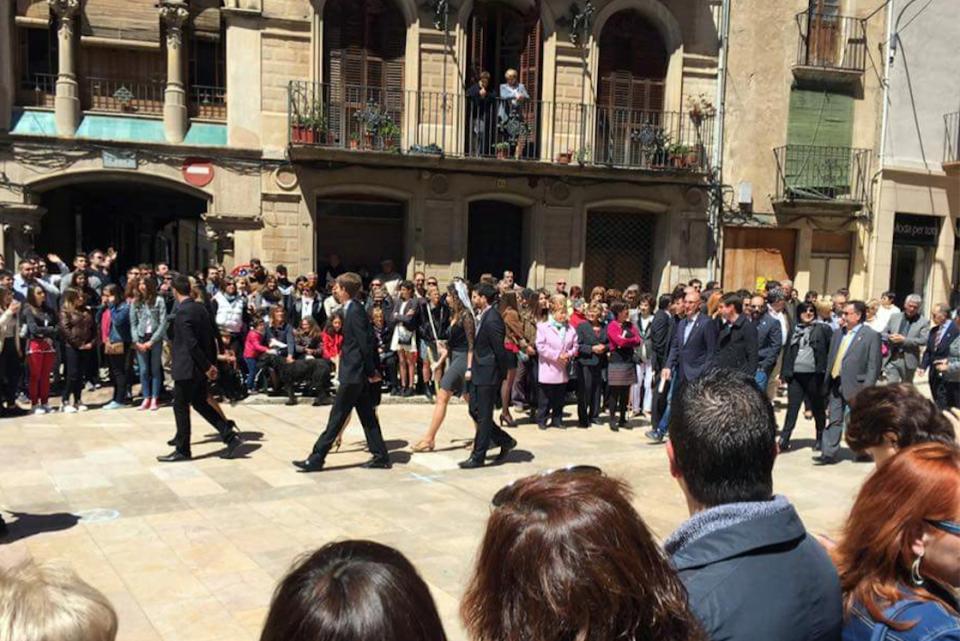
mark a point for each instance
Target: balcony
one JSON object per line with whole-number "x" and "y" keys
{"x": 428, "y": 124}
{"x": 831, "y": 49}
{"x": 124, "y": 96}
{"x": 37, "y": 90}
{"x": 951, "y": 142}
{"x": 208, "y": 103}
{"x": 813, "y": 180}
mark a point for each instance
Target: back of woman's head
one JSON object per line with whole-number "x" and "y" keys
{"x": 565, "y": 556}
{"x": 875, "y": 553}
{"x": 898, "y": 414}
{"x": 353, "y": 591}
{"x": 52, "y": 602}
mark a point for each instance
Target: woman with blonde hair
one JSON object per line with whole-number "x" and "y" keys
{"x": 556, "y": 349}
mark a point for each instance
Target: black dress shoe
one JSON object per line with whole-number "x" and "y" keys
{"x": 824, "y": 460}
{"x": 505, "y": 450}
{"x": 785, "y": 446}
{"x": 172, "y": 442}
{"x": 471, "y": 463}
{"x": 310, "y": 464}
{"x": 377, "y": 464}
{"x": 542, "y": 426}
{"x": 291, "y": 401}
{"x": 233, "y": 448}
{"x": 174, "y": 457}
{"x": 583, "y": 425}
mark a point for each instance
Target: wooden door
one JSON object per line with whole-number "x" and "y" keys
{"x": 823, "y": 36}
{"x": 752, "y": 255}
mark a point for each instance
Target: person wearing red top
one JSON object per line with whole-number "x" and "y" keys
{"x": 253, "y": 349}
{"x": 621, "y": 371}
{"x": 333, "y": 339}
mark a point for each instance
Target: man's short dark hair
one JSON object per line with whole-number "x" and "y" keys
{"x": 735, "y": 300}
{"x": 775, "y": 296}
{"x": 744, "y": 294}
{"x": 351, "y": 282}
{"x": 664, "y": 302}
{"x": 487, "y": 291}
{"x": 891, "y": 296}
{"x": 860, "y": 307}
{"x": 723, "y": 435}
{"x": 771, "y": 285}
{"x": 181, "y": 284}
{"x": 695, "y": 280}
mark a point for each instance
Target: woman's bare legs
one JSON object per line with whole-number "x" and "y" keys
{"x": 439, "y": 413}
{"x": 506, "y": 390}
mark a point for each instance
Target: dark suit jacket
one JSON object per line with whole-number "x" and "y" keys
{"x": 936, "y": 352}
{"x": 861, "y": 363}
{"x": 586, "y": 339}
{"x": 737, "y": 347}
{"x": 690, "y": 359}
{"x": 358, "y": 358}
{"x": 662, "y": 328}
{"x": 296, "y": 313}
{"x": 490, "y": 357}
{"x": 194, "y": 347}
{"x": 769, "y": 342}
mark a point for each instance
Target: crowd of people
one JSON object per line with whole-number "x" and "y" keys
{"x": 566, "y": 555}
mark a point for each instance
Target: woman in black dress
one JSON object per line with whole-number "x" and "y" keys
{"x": 459, "y": 357}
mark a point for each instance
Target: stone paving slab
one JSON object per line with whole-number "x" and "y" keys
{"x": 192, "y": 551}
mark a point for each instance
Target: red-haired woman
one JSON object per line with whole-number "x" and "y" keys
{"x": 899, "y": 557}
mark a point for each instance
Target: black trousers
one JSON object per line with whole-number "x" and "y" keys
{"x": 482, "y": 400}
{"x": 193, "y": 393}
{"x": 617, "y": 399}
{"x": 945, "y": 394}
{"x": 589, "y": 399}
{"x": 550, "y": 403}
{"x": 120, "y": 365}
{"x": 350, "y": 396}
{"x": 77, "y": 362}
{"x": 11, "y": 365}
{"x": 805, "y": 386}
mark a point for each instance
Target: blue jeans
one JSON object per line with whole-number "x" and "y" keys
{"x": 150, "y": 363}
{"x": 253, "y": 366}
{"x": 664, "y": 423}
{"x": 762, "y": 379}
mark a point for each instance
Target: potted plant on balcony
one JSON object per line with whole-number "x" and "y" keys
{"x": 700, "y": 108}
{"x": 378, "y": 127}
{"x": 678, "y": 155}
{"x": 388, "y": 132}
{"x": 565, "y": 157}
{"x": 503, "y": 150}
{"x": 354, "y": 142}
{"x": 583, "y": 156}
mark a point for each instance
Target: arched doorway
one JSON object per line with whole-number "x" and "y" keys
{"x": 362, "y": 230}
{"x": 495, "y": 239}
{"x": 619, "y": 249}
{"x": 501, "y": 37}
{"x": 364, "y": 51}
{"x": 632, "y": 73}
{"x": 144, "y": 222}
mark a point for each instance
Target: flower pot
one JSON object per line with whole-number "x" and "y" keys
{"x": 564, "y": 159}
{"x": 677, "y": 161}
{"x": 304, "y": 134}
{"x": 354, "y": 144}
{"x": 693, "y": 159}
{"x": 503, "y": 154}
{"x": 368, "y": 141}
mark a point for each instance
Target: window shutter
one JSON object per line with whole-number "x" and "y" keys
{"x": 121, "y": 20}
{"x": 633, "y": 64}
{"x": 478, "y": 39}
{"x": 530, "y": 58}
{"x": 820, "y": 118}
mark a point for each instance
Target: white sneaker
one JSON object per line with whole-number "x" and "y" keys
{"x": 82, "y": 408}
{"x": 69, "y": 409}
{"x": 39, "y": 410}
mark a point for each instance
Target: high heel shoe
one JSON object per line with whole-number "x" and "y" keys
{"x": 507, "y": 422}
{"x": 423, "y": 446}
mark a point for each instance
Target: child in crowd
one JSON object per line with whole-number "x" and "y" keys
{"x": 253, "y": 349}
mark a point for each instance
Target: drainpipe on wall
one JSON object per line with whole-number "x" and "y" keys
{"x": 716, "y": 187}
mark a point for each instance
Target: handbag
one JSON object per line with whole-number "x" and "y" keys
{"x": 113, "y": 349}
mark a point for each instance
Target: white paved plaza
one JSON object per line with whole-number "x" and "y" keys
{"x": 192, "y": 551}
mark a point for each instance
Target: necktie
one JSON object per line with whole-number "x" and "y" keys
{"x": 844, "y": 345}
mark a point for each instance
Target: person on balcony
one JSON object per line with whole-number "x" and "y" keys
{"x": 482, "y": 103}
{"x": 511, "y": 113}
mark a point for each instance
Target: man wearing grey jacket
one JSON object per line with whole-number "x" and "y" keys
{"x": 905, "y": 334}
{"x": 852, "y": 364}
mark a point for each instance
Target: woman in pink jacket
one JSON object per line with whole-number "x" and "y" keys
{"x": 556, "y": 349}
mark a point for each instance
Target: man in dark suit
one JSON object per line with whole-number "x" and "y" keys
{"x": 194, "y": 365}
{"x": 691, "y": 353}
{"x": 490, "y": 364}
{"x": 737, "y": 340}
{"x": 769, "y": 340}
{"x": 938, "y": 349}
{"x": 852, "y": 364}
{"x": 358, "y": 371}
{"x": 662, "y": 328}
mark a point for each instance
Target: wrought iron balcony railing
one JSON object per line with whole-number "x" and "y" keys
{"x": 812, "y": 173}
{"x": 470, "y": 126}
{"x": 125, "y": 96}
{"x": 208, "y": 102}
{"x": 832, "y": 42}
{"x": 951, "y": 138}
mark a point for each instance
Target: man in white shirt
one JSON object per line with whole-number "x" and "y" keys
{"x": 776, "y": 304}
{"x": 887, "y": 308}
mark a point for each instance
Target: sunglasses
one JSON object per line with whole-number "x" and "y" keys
{"x": 950, "y": 527}
{"x": 505, "y": 493}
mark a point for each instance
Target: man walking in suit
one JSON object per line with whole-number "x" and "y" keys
{"x": 737, "y": 340}
{"x": 769, "y": 341}
{"x": 853, "y": 363}
{"x": 906, "y": 333}
{"x": 490, "y": 363}
{"x": 938, "y": 349}
{"x": 662, "y": 328}
{"x": 691, "y": 353}
{"x": 358, "y": 370}
{"x": 194, "y": 364}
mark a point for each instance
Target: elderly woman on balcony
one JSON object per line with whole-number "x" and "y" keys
{"x": 511, "y": 113}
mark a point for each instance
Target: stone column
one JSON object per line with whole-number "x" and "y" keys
{"x": 7, "y": 86}
{"x": 67, "y": 101}
{"x": 173, "y": 15}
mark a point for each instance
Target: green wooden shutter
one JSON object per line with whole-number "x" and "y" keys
{"x": 819, "y": 137}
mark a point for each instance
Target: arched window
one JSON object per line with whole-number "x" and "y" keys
{"x": 633, "y": 63}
